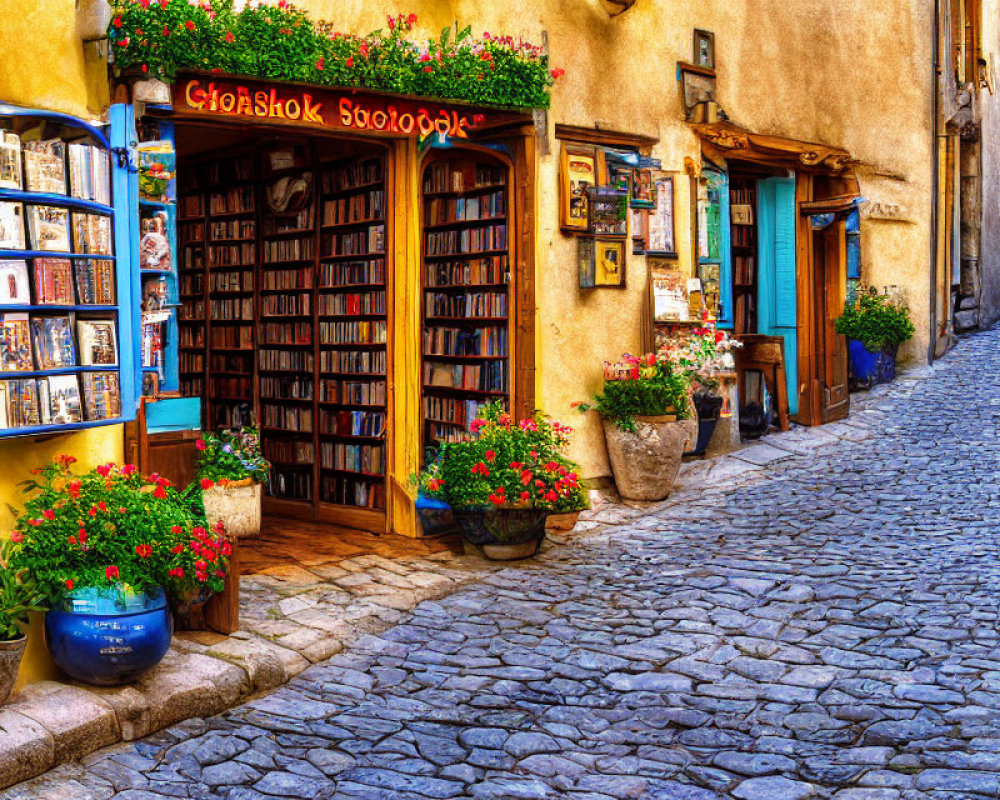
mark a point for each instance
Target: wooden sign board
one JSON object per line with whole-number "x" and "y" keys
{"x": 332, "y": 109}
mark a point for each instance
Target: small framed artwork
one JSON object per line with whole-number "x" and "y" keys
{"x": 741, "y": 214}
{"x": 704, "y": 48}
{"x": 601, "y": 263}
{"x": 608, "y": 211}
{"x": 640, "y": 230}
{"x": 578, "y": 173}
{"x": 642, "y": 189}
{"x": 661, "y": 219}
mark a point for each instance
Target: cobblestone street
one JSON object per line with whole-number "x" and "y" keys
{"x": 824, "y": 626}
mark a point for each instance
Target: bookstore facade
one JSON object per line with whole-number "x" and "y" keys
{"x": 351, "y": 275}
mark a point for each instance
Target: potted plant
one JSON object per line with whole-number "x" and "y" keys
{"x": 231, "y": 470}
{"x": 875, "y": 324}
{"x": 16, "y": 600}
{"x": 704, "y": 354}
{"x": 104, "y": 549}
{"x": 647, "y": 415}
{"x": 503, "y": 480}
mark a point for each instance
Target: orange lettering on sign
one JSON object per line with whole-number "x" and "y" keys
{"x": 238, "y": 100}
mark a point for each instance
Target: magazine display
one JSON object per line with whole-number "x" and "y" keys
{"x": 60, "y": 400}
{"x": 53, "y": 341}
{"x": 11, "y": 226}
{"x": 102, "y": 395}
{"x": 154, "y": 246}
{"x": 53, "y": 281}
{"x": 14, "y": 286}
{"x": 10, "y": 160}
{"x": 98, "y": 343}
{"x": 15, "y": 344}
{"x": 92, "y": 233}
{"x": 19, "y": 406}
{"x": 45, "y": 166}
{"x": 48, "y": 227}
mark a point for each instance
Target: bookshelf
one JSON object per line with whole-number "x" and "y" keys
{"x": 743, "y": 192}
{"x": 465, "y": 344}
{"x": 284, "y": 321}
{"x": 64, "y": 293}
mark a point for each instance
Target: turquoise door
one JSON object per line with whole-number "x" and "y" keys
{"x": 776, "y": 292}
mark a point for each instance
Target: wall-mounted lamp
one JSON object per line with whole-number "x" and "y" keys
{"x": 617, "y": 7}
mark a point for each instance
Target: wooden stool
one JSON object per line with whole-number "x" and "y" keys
{"x": 766, "y": 354}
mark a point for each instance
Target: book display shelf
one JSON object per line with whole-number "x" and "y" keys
{"x": 743, "y": 198}
{"x": 283, "y": 323}
{"x": 466, "y": 304}
{"x": 63, "y": 293}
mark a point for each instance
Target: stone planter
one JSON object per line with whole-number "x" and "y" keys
{"x": 107, "y": 637}
{"x": 502, "y": 534}
{"x": 645, "y": 462}
{"x": 237, "y": 505}
{"x": 10, "y": 661}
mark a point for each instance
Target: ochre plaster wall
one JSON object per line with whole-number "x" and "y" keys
{"x": 989, "y": 247}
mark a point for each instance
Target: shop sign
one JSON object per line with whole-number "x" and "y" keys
{"x": 326, "y": 108}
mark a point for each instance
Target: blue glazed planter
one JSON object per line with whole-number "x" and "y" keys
{"x": 106, "y": 637}
{"x": 435, "y": 516}
{"x": 869, "y": 368}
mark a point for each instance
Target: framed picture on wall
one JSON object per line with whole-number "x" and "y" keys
{"x": 578, "y": 173}
{"x": 640, "y": 230}
{"x": 661, "y": 219}
{"x": 601, "y": 262}
{"x": 704, "y": 48}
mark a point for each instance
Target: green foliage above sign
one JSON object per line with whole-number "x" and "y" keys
{"x": 277, "y": 41}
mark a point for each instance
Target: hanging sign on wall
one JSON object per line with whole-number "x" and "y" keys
{"x": 327, "y": 108}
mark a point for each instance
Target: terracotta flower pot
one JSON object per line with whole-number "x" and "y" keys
{"x": 10, "y": 661}
{"x": 237, "y": 505}
{"x": 645, "y": 462}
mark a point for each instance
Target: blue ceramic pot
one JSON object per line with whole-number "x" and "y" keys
{"x": 871, "y": 367}
{"x": 107, "y": 637}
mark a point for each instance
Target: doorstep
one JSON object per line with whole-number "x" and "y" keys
{"x": 292, "y": 615}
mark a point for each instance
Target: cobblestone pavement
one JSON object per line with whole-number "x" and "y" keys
{"x": 821, "y": 625}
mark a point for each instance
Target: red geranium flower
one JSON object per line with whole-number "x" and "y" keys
{"x": 49, "y": 514}
{"x": 17, "y": 537}
{"x": 350, "y": 61}
{"x": 229, "y": 40}
{"x": 176, "y": 572}
{"x": 177, "y": 549}
{"x": 143, "y": 550}
{"x": 74, "y": 489}
{"x": 72, "y": 540}
{"x": 117, "y": 21}
{"x": 206, "y": 483}
{"x": 491, "y": 455}
{"x": 159, "y": 492}
{"x": 111, "y": 573}
{"x": 176, "y": 530}
{"x": 320, "y": 63}
{"x": 411, "y": 20}
{"x": 189, "y": 25}
{"x": 69, "y": 584}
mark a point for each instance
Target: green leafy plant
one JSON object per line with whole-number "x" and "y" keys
{"x": 280, "y": 42}
{"x": 875, "y": 319}
{"x": 230, "y": 457}
{"x": 507, "y": 465}
{"x": 17, "y": 594}
{"x": 649, "y": 385}
{"x": 112, "y": 527}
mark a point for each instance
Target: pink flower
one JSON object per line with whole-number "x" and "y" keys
{"x": 49, "y": 514}
{"x": 363, "y": 50}
{"x": 199, "y": 444}
{"x": 17, "y": 537}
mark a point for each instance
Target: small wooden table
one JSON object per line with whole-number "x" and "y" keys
{"x": 766, "y": 355}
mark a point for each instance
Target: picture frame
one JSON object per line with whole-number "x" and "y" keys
{"x": 640, "y": 230}
{"x": 608, "y": 211}
{"x": 704, "y": 49}
{"x": 602, "y": 262}
{"x": 661, "y": 234}
{"x": 578, "y": 172}
{"x": 642, "y": 189}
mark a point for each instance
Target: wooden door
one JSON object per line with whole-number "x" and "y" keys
{"x": 830, "y": 282}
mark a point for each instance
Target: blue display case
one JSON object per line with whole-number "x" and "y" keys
{"x": 53, "y": 125}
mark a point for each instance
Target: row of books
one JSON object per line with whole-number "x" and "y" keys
{"x": 191, "y": 336}
{"x": 444, "y": 432}
{"x": 370, "y": 424}
{"x": 363, "y": 207}
{"x": 490, "y": 376}
{"x": 285, "y": 361}
{"x": 300, "y": 221}
{"x": 441, "y": 341}
{"x": 231, "y": 362}
{"x": 289, "y": 451}
{"x": 298, "y": 388}
{"x": 286, "y": 333}
{"x": 191, "y": 232}
{"x": 467, "y": 240}
{"x": 225, "y": 230}
{"x": 367, "y": 332}
{"x": 56, "y": 399}
{"x": 194, "y": 283}
{"x": 446, "y": 177}
{"x": 357, "y": 173}
{"x": 289, "y": 418}
{"x": 282, "y": 305}
{"x": 237, "y": 200}
{"x": 352, "y": 304}
{"x": 368, "y": 240}
{"x": 443, "y": 211}
{"x": 346, "y": 273}
{"x": 365, "y": 458}
{"x": 239, "y": 281}
{"x": 743, "y": 235}
{"x": 471, "y": 304}
{"x": 473, "y": 272}
{"x": 453, "y": 410}
{"x": 350, "y": 492}
{"x": 279, "y": 250}
{"x": 29, "y": 343}
{"x": 48, "y": 229}
{"x": 362, "y": 362}
{"x": 40, "y": 166}
{"x": 191, "y": 362}
{"x": 744, "y": 269}
{"x": 232, "y": 255}
{"x": 352, "y": 393}
{"x": 237, "y": 414}
{"x": 231, "y": 308}
{"x": 285, "y": 279}
{"x": 291, "y": 485}
{"x": 240, "y": 336}
{"x": 193, "y": 205}
{"x": 53, "y": 281}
